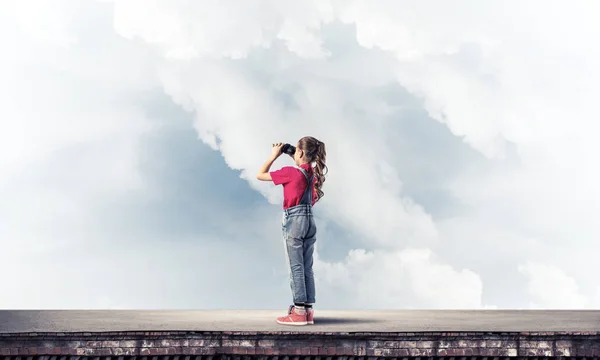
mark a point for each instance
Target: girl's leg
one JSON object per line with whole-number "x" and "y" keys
{"x": 293, "y": 231}
{"x": 296, "y": 266}
{"x": 308, "y": 251}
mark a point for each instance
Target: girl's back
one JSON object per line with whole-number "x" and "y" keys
{"x": 294, "y": 184}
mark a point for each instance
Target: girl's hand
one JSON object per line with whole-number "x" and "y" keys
{"x": 276, "y": 150}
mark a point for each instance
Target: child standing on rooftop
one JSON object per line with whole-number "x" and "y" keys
{"x": 302, "y": 188}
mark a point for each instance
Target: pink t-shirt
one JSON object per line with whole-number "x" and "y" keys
{"x": 294, "y": 184}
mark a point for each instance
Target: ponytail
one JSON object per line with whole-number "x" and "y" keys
{"x": 316, "y": 153}
{"x": 320, "y": 169}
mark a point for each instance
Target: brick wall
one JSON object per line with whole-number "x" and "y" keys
{"x": 294, "y": 346}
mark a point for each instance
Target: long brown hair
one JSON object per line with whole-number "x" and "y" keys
{"x": 314, "y": 151}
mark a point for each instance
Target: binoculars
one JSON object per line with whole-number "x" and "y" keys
{"x": 288, "y": 149}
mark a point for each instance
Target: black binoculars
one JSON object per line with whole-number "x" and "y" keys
{"x": 288, "y": 149}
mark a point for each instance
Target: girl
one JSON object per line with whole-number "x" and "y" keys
{"x": 302, "y": 188}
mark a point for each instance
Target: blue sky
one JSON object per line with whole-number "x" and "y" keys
{"x": 130, "y": 134}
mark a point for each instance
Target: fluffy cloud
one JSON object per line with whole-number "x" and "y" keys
{"x": 550, "y": 287}
{"x": 459, "y": 137}
{"x": 400, "y": 279}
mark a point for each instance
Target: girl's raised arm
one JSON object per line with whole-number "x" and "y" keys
{"x": 263, "y": 173}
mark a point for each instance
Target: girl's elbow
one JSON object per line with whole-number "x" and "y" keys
{"x": 263, "y": 176}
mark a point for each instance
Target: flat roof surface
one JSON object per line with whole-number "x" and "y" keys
{"x": 12, "y": 321}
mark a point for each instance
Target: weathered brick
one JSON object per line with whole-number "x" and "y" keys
{"x": 247, "y": 343}
{"x": 110, "y": 344}
{"x": 361, "y": 351}
{"x": 266, "y": 343}
{"x": 407, "y": 344}
{"x": 206, "y": 343}
{"x": 424, "y": 344}
{"x": 492, "y": 344}
{"x": 349, "y": 351}
{"x": 127, "y": 343}
{"x": 239, "y": 343}
{"x": 169, "y": 343}
{"x": 564, "y": 343}
{"x": 93, "y": 344}
{"x": 460, "y": 352}
{"x": 535, "y": 352}
{"x": 444, "y": 344}
{"x": 489, "y": 352}
{"x": 585, "y": 352}
{"x": 240, "y": 350}
{"x": 400, "y": 352}
{"x": 209, "y": 350}
{"x": 147, "y": 344}
{"x": 98, "y": 352}
{"x": 530, "y": 344}
{"x": 118, "y": 351}
{"x": 372, "y": 344}
{"x": 69, "y": 351}
{"x": 421, "y": 352}
{"x": 468, "y": 351}
{"x": 296, "y": 347}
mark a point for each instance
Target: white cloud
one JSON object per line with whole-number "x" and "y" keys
{"x": 550, "y": 287}
{"x": 517, "y": 83}
{"x": 410, "y": 278}
{"x": 184, "y": 30}
{"x": 68, "y": 137}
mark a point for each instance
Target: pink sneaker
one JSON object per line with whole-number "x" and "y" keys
{"x": 310, "y": 313}
{"x": 293, "y": 318}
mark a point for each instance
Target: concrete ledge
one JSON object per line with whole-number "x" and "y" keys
{"x": 254, "y": 335}
{"x": 325, "y": 321}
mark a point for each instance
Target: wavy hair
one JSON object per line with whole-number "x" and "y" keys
{"x": 315, "y": 152}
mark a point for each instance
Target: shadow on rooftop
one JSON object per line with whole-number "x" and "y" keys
{"x": 342, "y": 321}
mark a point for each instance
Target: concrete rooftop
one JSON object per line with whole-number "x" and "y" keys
{"x": 12, "y": 321}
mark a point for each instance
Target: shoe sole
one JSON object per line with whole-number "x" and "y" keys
{"x": 292, "y": 323}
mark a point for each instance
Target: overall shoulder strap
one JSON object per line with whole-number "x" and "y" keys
{"x": 307, "y": 196}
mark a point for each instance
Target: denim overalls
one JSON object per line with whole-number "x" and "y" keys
{"x": 299, "y": 236}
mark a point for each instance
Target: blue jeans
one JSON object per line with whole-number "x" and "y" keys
{"x": 299, "y": 236}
